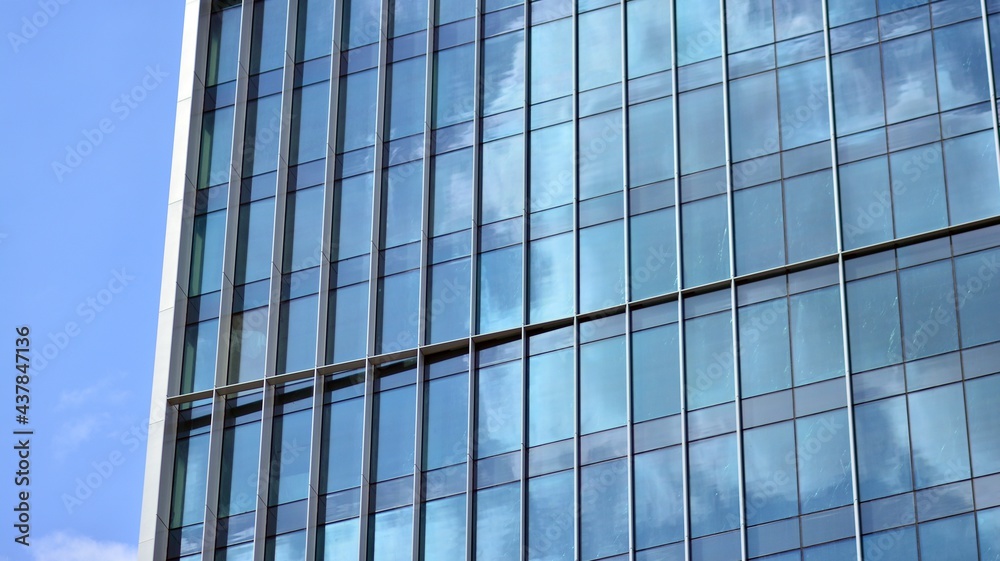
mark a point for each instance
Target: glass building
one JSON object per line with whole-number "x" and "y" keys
{"x": 557, "y": 280}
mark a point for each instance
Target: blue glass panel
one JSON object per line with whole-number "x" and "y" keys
{"x": 895, "y": 545}
{"x": 984, "y": 417}
{"x": 208, "y": 237}
{"x": 361, "y": 23}
{"x": 290, "y": 438}
{"x": 254, "y": 241}
{"x": 873, "y": 322}
{"x": 765, "y": 354}
{"x": 604, "y": 521}
{"x": 651, "y": 141}
{"x": 201, "y": 342}
{"x": 910, "y": 89}
{"x": 340, "y": 461}
{"x": 971, "y": 171}
{"x": 866, "y": 202}
{"x": 951, "y": 539}
{"x": 404, "y": 110}
{"x": 749, "y": 24}
{"x": 451, "y": 192}
{"x": 401, "y": 204}
{"x": 989, "y": 534}
{"x": 796, "y": 17}
{"x": 356, "y": 126}
{"x": 443, "y": 530}
{"x": 398, "y": 299}
{"x": 240, "y": 457}
{"x": 498, "y": 523}
{"x": 348, "y": 312}
{"x": 453, "y": 86}
{"x": 297, "y": 334}
{"x": 260, "y": 145}
{"x": 708, "y": 347}
{"x": 760, "y": 235}
{"x": 446, "y": 435}
{"x": 394, "y": 415}
{"x": 771, "y": 489}
{"x": 805, "y": 116}
{"x": 551, "y": 60}
{"x": 406, "y": 16}
{"x": 649, "y": 33}
{"x": 601, "y": 154}
{"x": 550, "y": 377}
{"x": 883, "y": 448}
{"x": 655, "y": 373}
{"x": 960, "y": 56}
{"x": 223, "y": 46}
{"x": 858, "y": 104}
{"x": 698, "y": 34}
{"x": 338, "y": 541}
{"x": 979, "y": 296}
{"x": 702, "y": 127}
{"x": 448, "y": 315}
{"x": 310, "y": 110}
{"x": 845, "y": 550}
{"x": 602, "y": 385}
{"x": 846, "y": 11}
{"x": 551, "y": 278}
{"x": 390, "y": 535}
{"x": 315, "y": 30}
{"x": 499, "y": 409}
{"x": 352, "y": 208}
{"x": 753, "y": 106}
{"x": 817, "y": 336}
{"x": 503, "y": 179}
{"x": 187, "y": 504}
{"x": 659, "y": 498}
{"x": 216, "y": 147}
{"x": 267, "y": 39}
{"x": 248, "y": 345}
{"x": 552, "y": 166}
{"x": 454, "y": 10}
{"x": 939, "y": 440}
{"x": 714, "y": 485}
{"x": 705, "y": 239}
{"x": 918, "y": 190}
{"x": 930, "y": 325}
{"x": 500, "y": 291}
{"x": 602, "y": 266}
{"x": 550, "y": 517}
{"x": 503, "y": 73}
{"x": 303, "y": 229}
{"x": 823, "y": 445}
{"x": 653, "y": 253}
{"x": 600, "y": 56}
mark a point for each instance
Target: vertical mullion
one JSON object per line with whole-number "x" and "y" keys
{"x": 470, "y": 465}
{"x": 477, "y": 157}
{"x": 991, "y": 77}
{"x": 418, "y": 457}
{"x": 263, "y": 473}
{"x": 577, "y": 473}
{"x": 366, "y": 461}
{"x": 214, "y": 475}
{"x": 315, "y": 451}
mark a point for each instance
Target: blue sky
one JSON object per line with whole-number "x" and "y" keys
{"x": 82, "y": 217}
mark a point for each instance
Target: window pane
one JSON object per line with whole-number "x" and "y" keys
{"x": 602, "y": 266}
{"x": 846, "y": 11}
{"x": 407, "y": 16}
{"x": 705, "y": 239}
{"x": 817, "y": 336}
{"x": 451, "y": 192}
{"x": 405, "y": 107}
{"x": 267, "y": 41}
{"x": 502, "y": 179}
{"x": 550, "y": 377}
{"x": 356, "y": 126}
{"x": 399, "y": 297}
{"x": 552, "y": 166}
{"x": 290, "y": 441}
{"x": 811, "y": 225}
{"x": 208, "y": 236}
{"x": 960, "y": 56}
{"x": 708, "y": 347}
{"x": 454, "y": 10}
{"x": 873, "y": 322}
{"x": 338, "y": 541}
{"x": 910, "y": 90}
{"x": 394, "y": 415}
{"x": 765, "y": 355}
{"x": 655, "y": 373}
{"x": 550, "y": 517}
{"x": 970, "y": 163}
{"x": 951, "y": 539}
{"x": 303, "y": 229}
{"x": 883, "y": 448}
{"x": 187, "y": 505}
{"x": 770, "y": 479}
{"x": 254, "y": 241}
{"x": 223, "y": 46}
{"x": 341, "y": 454}
{"x": 804, "y": 115}
{"x": 310, "y": 111}
{"x": 201, "y": 342}
{"x": 939, "y": 439}
{"x": 823, "y": 445}
{"x": 600, "y": 56}
{"x": 895, "y": 545}
{"x": 391, "y": 535}
{"x": 604, "y": 524}
{"x": 238, "y": 484}
{"x": 714, "y": 486}
{"x": 443, "y": 530}
{"x": 315, "y": 31}
{"x": 361, "y": 23}
{"x": 857, "y": 79}
{"x": 500, "y": 289}
{"x": 248, "y": 345}
{"x": 551, "y": 277}
{"x": 602, "y": 385}
{"x": 446, "y": 433}
{"x": 352, "y": 217}
{"x": 795, "y": 17}
{"x": 698, "y": 35}
{"x": 659, "y": 498}
{"x": 551, "y": 61}
{"x": 989, "y": 534}
{"x": 653, "y": 254}
{"x": 601, "y": 153}
{"x": 453, "y": 90}
{"x": 503, "y": 73}
{"x": 348, "y": 322}
{"x": 297, "y": 334}
{"x": 448, "y": 315}
{"x": 649, "y": 32}
{"x": 928, "y": 300}
{"x": 651, "y": 141}
{"x": 753, "y": 105}
{"x": 498, "y": 523}
{"x": 260, "y": 149}
{"x": 499, "y": 409}
{"x": 760, "y": 229}
{"x": 918, "y": 187}
{"x": 701, "y": 124}
{"x": 401, "y": 204}
{"x": 866, "y": 202}
{"x": 984, "y": 418}
{"x": 216, "y": 147}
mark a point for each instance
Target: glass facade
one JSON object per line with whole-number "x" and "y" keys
{"x": 629, "y": 280}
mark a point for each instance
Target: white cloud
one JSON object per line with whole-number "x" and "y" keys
{"x": 64, "y": 547}
{"x": 75, "y": 433}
